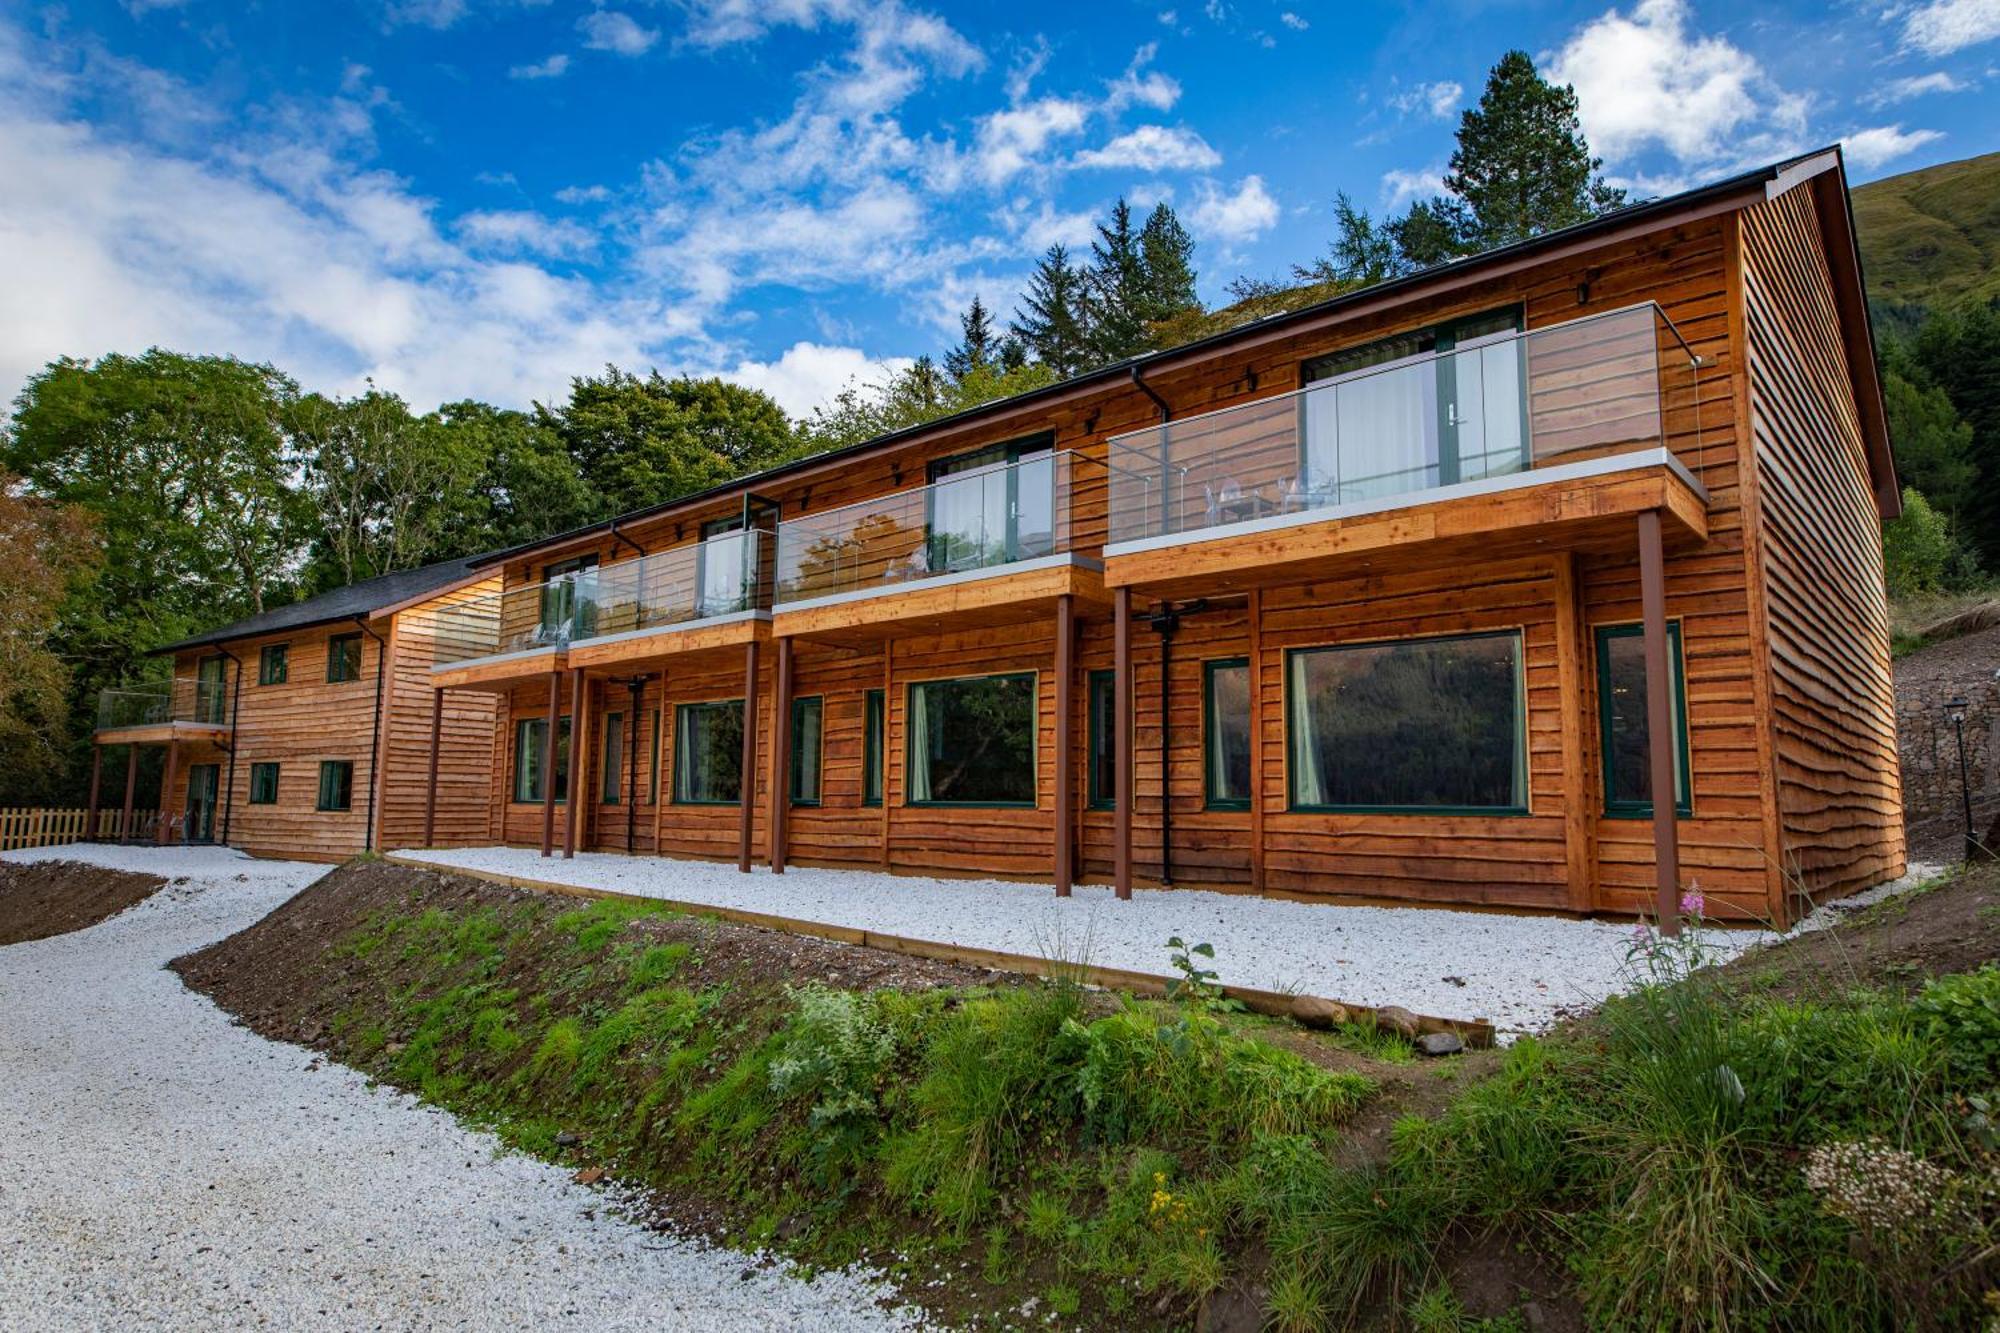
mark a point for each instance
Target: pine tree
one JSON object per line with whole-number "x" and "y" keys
{"x": 1117, "y": 289}
{"x": 978, "y": 347}
{"x": 1166, "y": 254}
{"x": 1433, "y": 232}
{"x": 1522, "y": 165}
{"x": 1363, "y": 252}
{"x": 1053, "y": 321}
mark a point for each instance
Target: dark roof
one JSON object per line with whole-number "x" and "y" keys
{"x": 356, "y": 599}
{"x": 1644, "y": 211}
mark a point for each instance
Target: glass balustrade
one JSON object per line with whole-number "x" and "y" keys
{"x": 1490, "y": 408}
{"x": 202, "y": 699}
{"x": 979, "y": 519}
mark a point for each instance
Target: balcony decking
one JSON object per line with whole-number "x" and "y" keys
{"x": 1529, "y": 443}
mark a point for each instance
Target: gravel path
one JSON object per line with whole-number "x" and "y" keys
{"x": 1518, "y": 971}
{"x": 163, "y": 1168}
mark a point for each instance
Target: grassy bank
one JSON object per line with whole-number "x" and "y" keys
{"x": 1740, "y": 1148}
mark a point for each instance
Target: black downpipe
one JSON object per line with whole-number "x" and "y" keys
{"x": 375, "y": 740}
{"x": 235, "y": 707}
{"x": 637, "y": 686}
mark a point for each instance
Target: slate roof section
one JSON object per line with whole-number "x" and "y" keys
{"x": 357, "y": 599}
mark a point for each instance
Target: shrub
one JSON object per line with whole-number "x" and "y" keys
{"x": 1962, "y": 1015}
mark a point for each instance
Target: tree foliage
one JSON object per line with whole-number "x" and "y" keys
{"x": 45, "y": 548}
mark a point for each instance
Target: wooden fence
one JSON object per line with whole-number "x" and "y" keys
{"x": 58, "y": 828}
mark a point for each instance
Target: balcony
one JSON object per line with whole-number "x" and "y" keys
{"x": 674, "y": 601}
{"x": 983, "y": 546}
{"x": 184, "y": 708}
{"x": 1521, "y": 440}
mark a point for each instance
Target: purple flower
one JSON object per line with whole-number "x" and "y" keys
{"x": 1692, "y": 902}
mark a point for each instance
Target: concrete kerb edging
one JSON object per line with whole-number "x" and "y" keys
{"x": 1474, "y": 1032}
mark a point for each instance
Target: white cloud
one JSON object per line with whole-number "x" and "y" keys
{"x": 517, "y": 231}
{"x": 1885, "y": 143}
{"x": 1644, "y": 78}
{"x": 583, "y": 194}
{"x": 1238, "y": 216}
{"x": 809, "y": 374}
{"x": 1293, "y": 21}
{"x": 1438, "y": 99}
{"x": 1944, "y": 26}
{"x": 1400, "y": 188}
{"x": 1048, "y": 226}
{"x": 1140, "y": 86}
{"x": 552, "y": 68}
{"x": 1916, "y": 85}
{"x": 1153, "y": 148}
{"x": 439, "y": 14}
{"x": 1011, "y": 141}
{"x": 609, "y": 30}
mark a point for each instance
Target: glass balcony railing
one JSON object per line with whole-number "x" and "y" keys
{"x": 202, "y": 700}
{"x": 719, "y": 576}
{"x": 1503, "y": 405}
{"x": 982, "y": 518}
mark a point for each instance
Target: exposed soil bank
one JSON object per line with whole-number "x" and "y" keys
{"x": 47, "y": 898}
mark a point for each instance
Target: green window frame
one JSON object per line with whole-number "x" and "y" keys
{"x": 1307, "y": 772}
{"x": 874, "y": 741}
{"x": 263, "y": 783}
{"x": 1214, "y": 762}
{"x": 708, "y": 734}
{"x": 808, "y": 749}
{"x": 612, "y": 767}
{"x": 274, "y": 664}
{"x": 653, "y": 768}
{"x": 336, "y": 784}
{"x": 343, "y": 658}
{"x": 1620, "y": 804}
{"x": 940, "y": 555}
{"x": 529, "y": 757}
{"x": 1100, "y": 757}
{"x": 922, "y": 735}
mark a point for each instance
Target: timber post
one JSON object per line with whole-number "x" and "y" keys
{"x": 747, "y": 784}
{"x": 96, "y": 787}
{"x": 1660, "y": 737}
{"x": 781, "y": 756}
{"x": 549, "y": 763}
{"x": 1065, "y": 849}
{"x": 578, "y": 783}
{"x": 431, "y": 787}
{"x": 131, "y": 788}
{"x": 1122, "y": 745}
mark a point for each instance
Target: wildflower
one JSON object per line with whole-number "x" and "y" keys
{"x": 1692, "y": 903}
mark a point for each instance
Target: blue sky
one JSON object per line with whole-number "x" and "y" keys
{"x": 482, "y": 198}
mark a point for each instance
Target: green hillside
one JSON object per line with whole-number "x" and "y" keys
{"x": 1930, "y": 238}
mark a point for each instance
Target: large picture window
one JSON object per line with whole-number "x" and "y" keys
{"x": 806, "y": 736}
{"x": 972, "y": 741}
{"x": 1434, "y": 725}
{"x": 708, "y": 753}
{"x": 874, "y": 730}
{"x": 1624, "y": 725}
{"x": 1225, "y": 713}
{"x": 531, "y": 759}
{"x": 1101, "y": 782}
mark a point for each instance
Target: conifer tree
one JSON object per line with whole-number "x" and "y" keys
{"x": 1522, "y": 165}
{"x": 1166, "y": 255}
{"x": 1117, "y": 289}
{"x": 1053, "y": 320}
{"x": 978, "y": 347}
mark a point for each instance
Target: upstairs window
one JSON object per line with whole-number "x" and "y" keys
{"x": 343, "y": 658}
{"x": 273, "y": 664}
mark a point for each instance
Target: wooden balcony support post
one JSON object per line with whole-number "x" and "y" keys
{"x": 431, "y": 783}
{"x": 131, "y": 787}
{"x": 1065, "y": 850}
{"x": 96, "y": 788}
{"x": 1660, "y": 721}
{"x": 1121, "y": 823}
{"x": 579, "y": 783}
{"x": 549, "y": 763}
{"x": 781, "y": 756}
{"x": 165, "y": 833}
{"x": 747, "y": 817}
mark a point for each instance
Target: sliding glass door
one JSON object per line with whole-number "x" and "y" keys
{"x": 992, "y": 506}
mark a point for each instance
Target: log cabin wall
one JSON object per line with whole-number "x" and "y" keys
{"x": 1566, "y": 852}
{"x": 464, "y": 808}
{"x": 1831, "y": 723}
{"x": 296, "y": 725}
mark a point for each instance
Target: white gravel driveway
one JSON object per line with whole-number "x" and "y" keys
{"x": 162, "y": 1168}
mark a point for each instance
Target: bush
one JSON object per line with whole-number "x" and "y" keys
{"x": 1922, "y": 554}
{"x": 1962, "y": 1015}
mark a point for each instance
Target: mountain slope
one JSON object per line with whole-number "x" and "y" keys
{"x": 1931, "y": 238}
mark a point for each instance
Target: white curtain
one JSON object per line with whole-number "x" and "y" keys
{"x": 1308, "y": 783}
{"x": 1388, "y": 432}
{"x": 917, "y": 745}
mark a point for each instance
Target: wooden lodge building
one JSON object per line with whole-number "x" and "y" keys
{"x": 1419, "y": 594}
